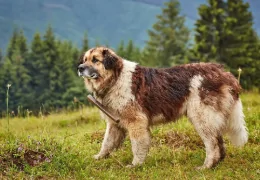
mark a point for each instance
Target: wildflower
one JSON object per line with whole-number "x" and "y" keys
{"x": 38, "y": 142}
{"x": 239, "y": 73}
{"x": 9, "y": 85}
{"x": 20, "y": 149}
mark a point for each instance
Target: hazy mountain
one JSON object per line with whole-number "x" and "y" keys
{"x": 105, "y": 21}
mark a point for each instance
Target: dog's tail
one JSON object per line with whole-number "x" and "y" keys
{"x": 237, "y": 131}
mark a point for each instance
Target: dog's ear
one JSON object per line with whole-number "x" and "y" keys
{"x": 110, "y": 59}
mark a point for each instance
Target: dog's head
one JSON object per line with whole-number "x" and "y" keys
{"x": 98, "y": 66}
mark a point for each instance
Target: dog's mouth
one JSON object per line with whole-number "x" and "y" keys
{"x": 86, "y": 75}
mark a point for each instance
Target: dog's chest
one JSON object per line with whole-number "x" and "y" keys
{"x": 121, "y": 93}
{"x": 118, "y": 101}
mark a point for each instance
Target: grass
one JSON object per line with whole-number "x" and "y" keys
{"x": 61, "y": 146}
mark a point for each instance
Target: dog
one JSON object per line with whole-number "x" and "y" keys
{"x": 142, "y": 97}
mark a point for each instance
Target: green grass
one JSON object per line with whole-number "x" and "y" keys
{"x": 61, "y": 146}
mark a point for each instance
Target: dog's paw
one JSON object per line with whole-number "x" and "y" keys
{"x": 100, "y": 156}
{"x": 130, "y": 166}
{"x": 97, "y": 157}
{"x": 200, "y": 168}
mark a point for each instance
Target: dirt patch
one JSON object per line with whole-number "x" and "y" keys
{"x": 20, "y": 158}
{"x": 34, "y": 158}
{"x": 177, "y": 140}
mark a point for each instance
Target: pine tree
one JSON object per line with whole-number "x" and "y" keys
{"x": 6, "y": 74}
{"x": 75, "y": 58}
{"x": 129, "y": 50}
{"x": 12, "y": 46}
{"x": 210, "y": 31}
{"x": 137, "y": 55}
{"x": 168, "y": 40}
{"x": 224, "y": 34}
{"x": 67, "y": 77}
{"x": 242, "y": 42}
{"x": 78, "y": 91}
{"x": 121, "y": 49}
{"x": 21, "y": 81}
{"x": 22, "y": 45}
{"x": 15, "y": 73}
{"x": 49, "y": 72}
{"x": 44, "y": 76}
{"x": 256, "y": 57}
{"x": 35, "y": 64}
{"x": 85, "y": 43}
{"x": 73, "y": 85}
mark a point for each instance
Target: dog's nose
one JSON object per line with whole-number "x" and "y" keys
{"x": 81, "y": 68}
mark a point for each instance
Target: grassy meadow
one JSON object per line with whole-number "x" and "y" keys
{"x": 61, "y": 146}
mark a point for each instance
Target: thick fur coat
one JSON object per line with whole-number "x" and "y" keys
{"x": 142, "y": 97}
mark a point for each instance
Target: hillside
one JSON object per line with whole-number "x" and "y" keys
{"x": 61, "y": 146}
{"x": 105, "y": 21}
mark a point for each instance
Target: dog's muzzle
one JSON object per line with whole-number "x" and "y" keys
{"x": 87, "y": 72}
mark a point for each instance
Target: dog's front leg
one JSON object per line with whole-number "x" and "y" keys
{"x": 114, "y": 136}
{"x": 140, "y": 141}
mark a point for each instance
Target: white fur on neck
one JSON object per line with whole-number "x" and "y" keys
{"x": 121, "y": 93}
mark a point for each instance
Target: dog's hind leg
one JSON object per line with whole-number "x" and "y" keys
{"x": 207, "y": 115}
{"x": 211, "y": 134}
{"x": 114, "y": 136}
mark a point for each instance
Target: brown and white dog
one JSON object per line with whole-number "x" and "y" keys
{"x": 142, "y": 97}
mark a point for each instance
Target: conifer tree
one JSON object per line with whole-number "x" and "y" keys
{"x": 210, "y": 32}
{"x": 12, "y": 46}
{"x": 168, "y": 39}
{"x": 137, "y": 55}
{"x": 15, "y": 73}
{"x": 21, "y": 81}
{"x": 66, "y": 78}
{"x": 49, "y": 72}
{"x": 22, "y": 45}
{"x": 121, "y": 49}
{"x": 129, "y": 50}
{"x": 35, "y": 64}
{"x": 6, "y": 74}
{"x": 242, "y": 42}
{"x": 224, "y": 34}
{"x": 75, "y": 58}
{"x": 85, "y": 43}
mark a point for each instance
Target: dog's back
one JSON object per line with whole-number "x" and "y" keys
{"x": 165, "y": 91}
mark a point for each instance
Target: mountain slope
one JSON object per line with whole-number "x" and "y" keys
{"x": 105, "y": 21}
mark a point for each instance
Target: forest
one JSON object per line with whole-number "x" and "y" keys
{"x": 41, "y": 76}
{"x": 48, "y": 129}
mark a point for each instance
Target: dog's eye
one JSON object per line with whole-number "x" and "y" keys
{"x": 94, "y": 60}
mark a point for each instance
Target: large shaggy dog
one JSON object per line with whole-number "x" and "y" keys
{"x": 141, "y": 97}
